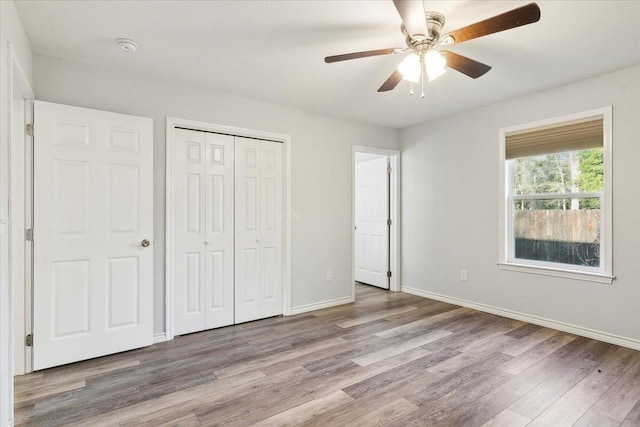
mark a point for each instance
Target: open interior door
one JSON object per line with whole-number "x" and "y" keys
{"x": 93, "y": 224}
{"x": 372, "y": 228}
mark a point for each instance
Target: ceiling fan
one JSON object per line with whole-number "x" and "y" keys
{"x": 422, "y": 32}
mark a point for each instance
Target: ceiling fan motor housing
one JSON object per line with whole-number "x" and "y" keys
{"x": 434, "y": 23}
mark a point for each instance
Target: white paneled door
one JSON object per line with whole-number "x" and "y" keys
{"x": 372, "y": 229}
{"x": 202, "y": 259}
{"x": 258, "y": 246}
{"x": 93, "y": 224}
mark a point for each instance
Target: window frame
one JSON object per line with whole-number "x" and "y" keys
{"x": 506, "y": 258}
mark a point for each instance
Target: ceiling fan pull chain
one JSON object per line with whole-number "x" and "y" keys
{"x": 422, "y": 73}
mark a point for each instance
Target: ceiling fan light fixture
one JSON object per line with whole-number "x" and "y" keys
{"x": 410, "y": 68}
{"x": 435, "y": 64}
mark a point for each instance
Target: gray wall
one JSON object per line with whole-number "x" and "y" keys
{"x": 450, "y": 209}
{"x": 321, "y": 162}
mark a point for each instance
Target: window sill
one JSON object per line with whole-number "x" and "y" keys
{"x": 557, "y": 272}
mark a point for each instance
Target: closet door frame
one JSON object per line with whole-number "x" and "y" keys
{"x": 171, "y": 124}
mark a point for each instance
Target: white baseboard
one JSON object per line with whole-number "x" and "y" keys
{"x": 320, "y": 305}
{"x": 548, "y": 323}
{"x": 159, "y": 337}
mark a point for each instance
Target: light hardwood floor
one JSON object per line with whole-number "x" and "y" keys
{"x": 388, "y": 359}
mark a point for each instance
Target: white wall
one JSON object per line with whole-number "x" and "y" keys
{"x": 321, "y": 161}
{"x": 450, "y": 215}
{"x": 11, "y": 30}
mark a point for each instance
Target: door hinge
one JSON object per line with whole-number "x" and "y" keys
{"x": 28, "y": 341}
{"x": 28, "y": 234}
{"x": 389, "y": 222}
{"x": 28, "y": 129}
{"x": 389, "y": 274}
{"x": 388, "y": 170}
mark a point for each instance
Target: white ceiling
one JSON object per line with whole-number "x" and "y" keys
{"x": 274, "y": 50}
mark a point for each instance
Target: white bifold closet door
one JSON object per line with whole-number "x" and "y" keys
{"x": 227, "y": 214}
{"x": 258, "y": 248}
{"x": 203, "y": 234}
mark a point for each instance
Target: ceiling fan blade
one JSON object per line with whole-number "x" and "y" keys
{"x": 391, "y": 82}
{"x": 412, "y": 14}
{"x": 468, "y": 66}
{"x": 356, "y": 55}
{"x": 515, "y": 18}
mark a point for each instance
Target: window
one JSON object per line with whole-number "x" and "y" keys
{"x": 556, "y": 209}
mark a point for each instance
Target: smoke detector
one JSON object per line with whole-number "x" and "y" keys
{"x": 127, "y": 45}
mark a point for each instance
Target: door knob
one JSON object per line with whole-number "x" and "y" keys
{"x": 145, "y": 243}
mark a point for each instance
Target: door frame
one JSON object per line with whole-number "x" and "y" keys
{"x": 22, "y": 296}
{"x": 171, "y": 124}
{"x": 394, "y": 213}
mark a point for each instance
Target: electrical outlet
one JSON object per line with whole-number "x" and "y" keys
{"x": 463, "y": 275}
{"x": 328, "y": 275}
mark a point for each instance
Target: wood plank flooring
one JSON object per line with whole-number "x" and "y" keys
{"x": 389, "y": 359}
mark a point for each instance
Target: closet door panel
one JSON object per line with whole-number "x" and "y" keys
{"x": 271, "y": 228}
{"x": 188, "y": 260}
{"x": 219, "y": 223}
{"x": 247, "y": 242}
{"x": 259, "y": 215}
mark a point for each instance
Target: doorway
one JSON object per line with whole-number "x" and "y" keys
{"x": 375, "y": 217}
